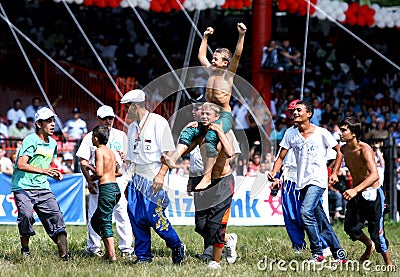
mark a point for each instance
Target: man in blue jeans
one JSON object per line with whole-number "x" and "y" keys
{"x": 310, "y": 144}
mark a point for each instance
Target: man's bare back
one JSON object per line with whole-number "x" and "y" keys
{"x": 357, "y": 161}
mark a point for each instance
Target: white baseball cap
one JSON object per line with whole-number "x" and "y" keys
{"x": 105, "y": 111}
{"x": 44, "y": 113}
{"x": 135, "y": 95}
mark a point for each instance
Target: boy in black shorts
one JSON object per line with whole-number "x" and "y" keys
{"x": 366, "y": 198}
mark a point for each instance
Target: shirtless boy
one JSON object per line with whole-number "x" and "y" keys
{"x": 109, "y": 194}
{"x": 213, "y": 204}
{"x": 222, "y": 69}
{"x": 366, "y": 198}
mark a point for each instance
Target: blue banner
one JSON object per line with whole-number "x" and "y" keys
{"x": 70, "y": 195}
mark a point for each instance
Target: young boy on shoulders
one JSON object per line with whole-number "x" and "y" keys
{"x": 106, "y": 170}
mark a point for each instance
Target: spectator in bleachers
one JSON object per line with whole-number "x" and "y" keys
{"x": 30, "y": 125}
{"x": 3, "y": 128}
{"x": 269, "y": 57}
{"x": 380, "y": 162}
{"x": 18, "y": 130}
{"x": 31, "y": 109}
{"x": 289, "y": 57}
{"x": 276, "y": 134}
{"x": 239, "y": 113}
{"x": 379, "y": 132}
{"x": 67, "y": 165}
{"x": 6, "y": 165}
{"x": 316, "y": 118}
{"x": 15, "y": 113}
{"x": 75, "y": 128}
{"x": 254, "y": 165}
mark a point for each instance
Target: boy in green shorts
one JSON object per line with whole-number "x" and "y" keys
{"x": 105, "y": 170}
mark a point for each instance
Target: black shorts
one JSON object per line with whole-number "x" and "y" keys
{"x": 212, "y": 210}
{"x": 360, "y": 210}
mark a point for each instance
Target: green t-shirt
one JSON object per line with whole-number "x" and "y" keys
{"x": 41, "y": 154}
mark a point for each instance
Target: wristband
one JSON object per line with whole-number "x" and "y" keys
{"x": 277, "y": 175}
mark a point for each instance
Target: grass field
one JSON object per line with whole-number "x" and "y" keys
{"x": 255, "y": 244}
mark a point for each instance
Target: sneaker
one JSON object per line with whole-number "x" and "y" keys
{"x": 65, "y": 258}
{"x": 214, "y": 265}
{"x": 97, "y": 253}
{"x": 143, "y": 261}
{"x": 25, "y": 252}
{"x": 178, "y": 254}
{"x": 231, "y": 249}
{"x": 204, "y": 257}
{"x": 317, "y": 259}
{"x": 326, "y": 252}
{"x": 126, "y": 255}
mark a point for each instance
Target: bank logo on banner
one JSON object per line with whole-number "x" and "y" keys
{"x": 252, "y": 204}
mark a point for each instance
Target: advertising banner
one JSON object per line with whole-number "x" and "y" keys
{"x": 70, "y": 195}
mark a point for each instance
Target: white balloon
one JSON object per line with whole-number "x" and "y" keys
{"x": 220, "y": 2}
{"x": 144, "y": 5}
{"x": 378, "y": 17}
{"x": 70, "y": 1}
{"x": 390, "y": 24}
{"x": 79, "y": 2}
{"x": 188, "y": 5}
{"x": 200, "y": 5}
{"x": 376, "y": 7}
{"x": 123, "y": 4}
{"x": 344, "y": 6}
{"x": 334, "y": 4}
{"x": 388, "y": 18}
{"x": 341, "y": 17}
{"x": 321, "y": 16}
{"x": 381, "y": 24}
{"x": 212, "y": 5}
{"x": 397, "y": 23}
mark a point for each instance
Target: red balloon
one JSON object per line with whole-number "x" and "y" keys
{"x": 361, "y": 21}
{"x": 370, "y": 21}
{"x": 302, "y": 11}
{"x": 247, "y": 3}
{"x": 114, "y": 3}
{"x": 162, "y": 2}
{"x": 155, "y": 6}
{"x": 88, "y": 2}
{"x": 174, "y": 5}
{"x": 166, "y": 8}
{"x": 293, "y": 8}
{"x": 239, "y": 5}
{"x": 354, "y": 7}
{"x": 312, "y": 10}
{"x": 352, "y": 20}
{"x": 282, "y": 6}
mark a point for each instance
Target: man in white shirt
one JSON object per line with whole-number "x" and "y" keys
{"x": 310, "y": 144}
{"x": 118, "y": 142}
{"x": 15, "y": 113}
{"x": 75, "y": 128}
{"x": 149, "y": 137}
